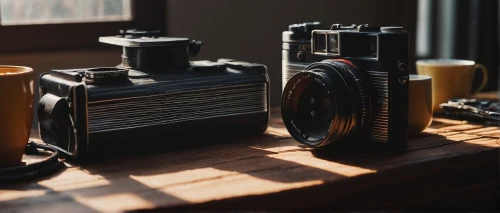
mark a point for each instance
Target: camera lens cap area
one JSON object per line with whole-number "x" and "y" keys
{"x": 208, "y": 66}
{"x": 105, "y": 75}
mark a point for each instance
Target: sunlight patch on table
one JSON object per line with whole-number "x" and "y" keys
{"x": 484, "y": 142}
{"x": 434, "y": 130}
{"x": 307, "y": 159}
{"x": 277, "y": 131}
{"x": 448, "y": 121}
{"x": 231, "y": 186}
{"x": 461, "y": 127}
{"x": 76, "y": 179}
{"x": 282, "y": 146}
{"x": 482, "y": 130}
{"x": 304, "y": 157}
{"x": 493, "y": 133}
{"x": 181, "y": 177}
{"x": 114, "y": 202}
{"x": 205, "y": 184}
{"x": 6, "y": 195}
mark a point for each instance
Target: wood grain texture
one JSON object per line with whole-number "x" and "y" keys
{"x": 453, "y": 165}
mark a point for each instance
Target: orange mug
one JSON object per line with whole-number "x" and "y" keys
{"x": 16, "y": 112}
{"x": 419, "y": 104}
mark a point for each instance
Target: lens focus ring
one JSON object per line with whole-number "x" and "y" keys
{"x": 361, "y": 102}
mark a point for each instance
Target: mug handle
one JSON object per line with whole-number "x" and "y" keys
{"x": 485, "y": 76}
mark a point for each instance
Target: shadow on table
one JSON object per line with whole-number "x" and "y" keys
{"x": 250, "y": 156}
{"x": 227, "y": 157}
{"x": 438, "y": 170}
{"x": 231, "y": 155}
{"x": 440, "y": 134}
{"x": 244, "y": 158}
{"x": 39, "y": 200}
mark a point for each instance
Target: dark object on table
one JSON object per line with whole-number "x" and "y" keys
{"x": 155, "y": 92}
{"x": 357, "y": 90}
{"x": 487, "y": 111}
{"x": 36, "y": 169}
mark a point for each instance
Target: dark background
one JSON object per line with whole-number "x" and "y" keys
{"x": 251, "y": 30}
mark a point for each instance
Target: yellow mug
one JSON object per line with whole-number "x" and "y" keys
{"x": 419, "y": 104}
{"x": 16, "y": 111}
{"x": 451, "y": 78}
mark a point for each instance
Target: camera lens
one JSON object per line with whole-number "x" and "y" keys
{"x": 326, "y": 103}
{"x": 315, "y": 111}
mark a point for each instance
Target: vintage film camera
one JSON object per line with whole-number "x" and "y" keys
{"x": 155, "y": 94}
{"x": 345, "y": 84}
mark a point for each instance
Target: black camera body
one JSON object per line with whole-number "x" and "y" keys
{"x": 155, "y": 94}
{"x": 345, "y": 83}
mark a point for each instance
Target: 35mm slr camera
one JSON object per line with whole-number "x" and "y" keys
{"x": 345, "y": 84}
{"x": 155, "y": 94}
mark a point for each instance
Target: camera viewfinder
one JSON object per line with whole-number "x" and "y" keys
{"x": 373, "y": 45}
{"x": 319, "y": 42}
{"x": 333, "y": 43}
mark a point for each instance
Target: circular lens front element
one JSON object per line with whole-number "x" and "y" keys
{"x": 324, "y": 103}
{"x": 315, "y": 111}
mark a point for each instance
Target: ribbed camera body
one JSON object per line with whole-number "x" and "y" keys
{"x": 151, "y": 98}
{"x": 345, "y": 83}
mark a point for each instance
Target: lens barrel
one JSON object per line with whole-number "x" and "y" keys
{"x": 327, "y": 103}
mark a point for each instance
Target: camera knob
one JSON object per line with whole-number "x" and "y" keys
{"x": 304, "y": 27}
{"x": 342, "y": 27}
{"x": 246, "y": 67}
{"x": 368, "y": 28}
{"x": 403, "y": 80}
{"x": 133, "y": 33}
{"x": 303, "y": 30}
{"x": 105, "y": 75}
{"x": 208, "y": 66}
{"x": 310, "y": 26}
{"x": 194, "y": 47}
{"x": 53, "y": 113}
{"x": 391, "y": 29}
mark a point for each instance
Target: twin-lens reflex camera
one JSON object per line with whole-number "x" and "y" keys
{"x": 156, "y": 93}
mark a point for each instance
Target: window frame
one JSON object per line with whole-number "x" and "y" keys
{"x": 147, "y": 15}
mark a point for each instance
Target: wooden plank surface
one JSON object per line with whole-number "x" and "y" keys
{"x": 454, "y": 164}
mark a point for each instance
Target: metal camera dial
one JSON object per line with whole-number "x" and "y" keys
{"x": 133, "y": 33}
{"x": 105, "y": 75}
{"x": 150, "y": 52}
{"x": 302, "y": 31}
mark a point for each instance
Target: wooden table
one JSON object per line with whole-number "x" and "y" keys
{"x": 453, "y": 165}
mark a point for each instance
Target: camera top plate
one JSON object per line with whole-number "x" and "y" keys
{"x": 148, "y": 51}
{"x": 143, "y": 41}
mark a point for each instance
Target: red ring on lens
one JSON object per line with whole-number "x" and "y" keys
{"x": 345, "y": 61}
